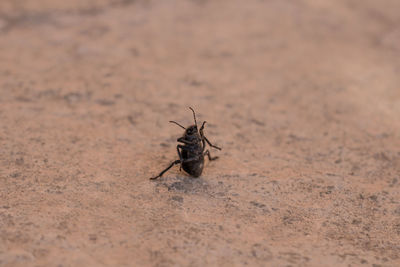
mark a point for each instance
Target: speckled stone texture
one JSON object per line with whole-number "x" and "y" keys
{"x": 303, "y": 97}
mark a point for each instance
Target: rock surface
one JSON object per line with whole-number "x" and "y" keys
{"x": 303, "y": 97}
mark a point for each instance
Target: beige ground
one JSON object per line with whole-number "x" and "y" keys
{"x": 303, "y": 96}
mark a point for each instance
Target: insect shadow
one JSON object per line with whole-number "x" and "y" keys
{"x": 191, "y": 153}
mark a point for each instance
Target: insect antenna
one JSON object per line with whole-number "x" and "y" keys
{"x": 177, "y": 124}
{"x": 194, "y": 116}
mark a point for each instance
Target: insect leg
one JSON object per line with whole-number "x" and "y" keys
{"x": 169, "y": 167}
{"x": 203, "y": 144}
{"x": 183, "y": 140}
{"x": 211, "y": 145}
{"x": 191, "y": 159}
{"x": 180, "y": 155}
{"x": 194, "y": 158}
{"x": 209, "y": 156}
{"x": 202, "y": 127}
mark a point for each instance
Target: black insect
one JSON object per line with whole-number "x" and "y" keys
{"x": 191, "y": 153}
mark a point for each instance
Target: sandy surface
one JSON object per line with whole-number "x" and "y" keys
{"x": 303, "y": 97}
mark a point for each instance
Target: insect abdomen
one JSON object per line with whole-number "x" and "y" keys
{"x": 194, "y": 168}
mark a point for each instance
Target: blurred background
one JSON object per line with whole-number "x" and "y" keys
{"x": 303, "y": 97}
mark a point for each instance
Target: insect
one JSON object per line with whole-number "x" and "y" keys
{"x": 191, "y": 153}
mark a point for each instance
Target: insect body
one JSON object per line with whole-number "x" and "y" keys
{"x": 192, "y": 150}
